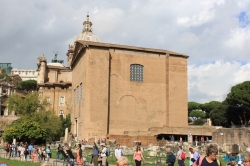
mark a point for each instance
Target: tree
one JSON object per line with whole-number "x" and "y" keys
{"x": 27, "y": 85}
{"x": 219, "y": 116}
{"x": 195, "y": 114}
{"x": 239, "y": 103}
{"x": 193, "y": 106}
{"x": 207, "y": 107}
{"x": 240, "y": 95}
{"x": 66, "y": 123}
{"x": 24, "y": 129}
{"x": 24, "y": 105}
{"x": 34, "y": 116}
{"x": 199, "y": 122}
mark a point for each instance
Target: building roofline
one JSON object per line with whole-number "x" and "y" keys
{"x": 143, "y": 49}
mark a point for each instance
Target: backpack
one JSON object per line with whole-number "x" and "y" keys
{"x": 7, "y": 148}
{"x": 107, "y": 151}
{"x": 200, "y": 161}
{"x": 183, "y": 156}
{"x": 172, "y": 158}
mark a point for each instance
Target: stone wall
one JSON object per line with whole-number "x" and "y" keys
{"x": 126, "y": 140}
{"x": 232, "y": 136}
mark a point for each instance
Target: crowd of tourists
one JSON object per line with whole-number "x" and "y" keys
{"x": 209, "y": 159}
{"x": 25, "y": 150}
{"x": 100, "y": 155}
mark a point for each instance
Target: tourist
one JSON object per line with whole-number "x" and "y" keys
{"x": 138, "y": 156}
{"x": 79, "y": 159}
{"x": 247, "y": 160}
{"x": 170, "y": 157}
{"x": 122, "y": 161}
{"x": 118, "y": 152}
{"x": 172, "y": 138}
{"x": 196, "y": 141}
{"x": 48, "y": 152}
{"x": 202, "y": 140}
{"x": 191, "y": 157}
{"x": 13, "y": 150}
{"x": 30, "y": 147}
{"x": 95, "y": 154}
{"x": 7, "y": 149}
{"x": 59, "y": 152}
{"x": 180, "y": 140}
{"x": 99, "y": 155}
{"x": 19, "y": 146}
{"x": 22, "y": 151}
{"x": 207, "y": 139}
{"x": 103, "y": 155}
{"x": 211, "y": 157}
{"x": 180, "y": 160}
{"x": 196, "y": 155}
{"x": 84, "y": 141}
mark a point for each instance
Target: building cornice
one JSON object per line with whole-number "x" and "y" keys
{"x": 88, "y": 44}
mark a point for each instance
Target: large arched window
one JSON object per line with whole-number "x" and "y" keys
{"x": 136, "y": 72}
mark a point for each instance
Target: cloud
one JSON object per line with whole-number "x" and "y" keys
{"x": 196, "y": 20}
{"x": 239, "y": 38}
{"x": 213, "y": 81}
{"x": 214, "y": 33}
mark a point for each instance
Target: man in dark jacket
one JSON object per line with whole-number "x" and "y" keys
{"x": 170, "y": 157}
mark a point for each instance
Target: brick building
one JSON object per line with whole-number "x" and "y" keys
{"x": 113, "y": 89}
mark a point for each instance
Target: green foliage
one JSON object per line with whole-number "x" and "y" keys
{"x": 207, "y": 107}
{"x": 198, "y": 122}
{"x": 35, "y": 120}
{"x": 51, "y": 123}
{"x": 240, "y": 95}
{"x": 23, "y": 129}
{"x": 17, "y": 162}
{"x": 5, "y": 75}
{"x": 67, "y": 123}
{"x": 193, "y": 106}
{"x": 2, "y": 76}
{"x": 238, "y": 115}
{"x": 27, "y": 85}
{"x": 195, "y": 114}
{"x": 41, "y": 125}
{"x": 26, "y": 105}
{"x": 238, "y": 101}
{"x": 219, "y": 116}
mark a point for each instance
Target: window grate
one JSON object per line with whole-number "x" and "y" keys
{"x": 136, "y": 72}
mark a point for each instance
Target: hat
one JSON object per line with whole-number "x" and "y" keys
{"x": 102, "y": 144}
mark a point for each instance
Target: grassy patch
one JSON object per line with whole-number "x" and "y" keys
{"x": 18, "y": 162}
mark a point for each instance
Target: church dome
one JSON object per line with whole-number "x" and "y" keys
{"x": 86, "y": 34}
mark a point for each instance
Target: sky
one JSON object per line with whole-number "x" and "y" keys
{"x": 215, "y": 34}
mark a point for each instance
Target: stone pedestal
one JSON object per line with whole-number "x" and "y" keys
{"x": 190, "y": 138}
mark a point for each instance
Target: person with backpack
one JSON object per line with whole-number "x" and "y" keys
{"x": 211, "y": 157}
{"x": 181, "y": 157}
{"x": 170, "y": 157}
